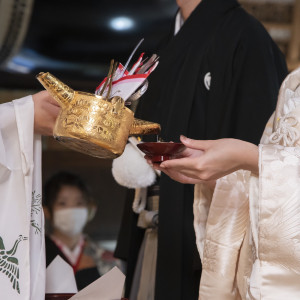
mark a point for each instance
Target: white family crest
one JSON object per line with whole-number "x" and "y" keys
{"x": 207, "y": 80}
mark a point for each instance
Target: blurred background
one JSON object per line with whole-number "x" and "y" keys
{"x": 75, "y": 41}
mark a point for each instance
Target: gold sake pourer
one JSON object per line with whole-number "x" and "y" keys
{"x": 91, "y": 124}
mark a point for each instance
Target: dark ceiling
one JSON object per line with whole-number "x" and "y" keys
{"x": 75, "y": 40}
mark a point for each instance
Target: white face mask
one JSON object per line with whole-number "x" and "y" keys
{"x": 70, "y": 221}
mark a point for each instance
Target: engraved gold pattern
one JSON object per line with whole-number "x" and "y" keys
{"x": 91, "y": 124}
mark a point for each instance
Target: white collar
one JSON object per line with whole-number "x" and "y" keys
{"x": 178, "y": 22}
{"x": 71, "y": 254}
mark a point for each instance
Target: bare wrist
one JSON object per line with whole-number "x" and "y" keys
{"x": 249, "y": 157}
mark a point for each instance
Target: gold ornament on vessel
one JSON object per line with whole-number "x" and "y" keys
{"x": 92, "y": 124}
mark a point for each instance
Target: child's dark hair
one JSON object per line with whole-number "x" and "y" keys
{"x": 54, "y": 184}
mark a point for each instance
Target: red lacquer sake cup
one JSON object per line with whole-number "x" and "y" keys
{"x": 62, "y": 297}
{"x": 58, "y": 296}
{"x": 161, "y": 151}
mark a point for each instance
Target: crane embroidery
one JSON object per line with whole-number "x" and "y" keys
{"x": 9, "y": 264}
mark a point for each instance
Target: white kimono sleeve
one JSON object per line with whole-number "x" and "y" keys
{"x": 248, "y": 232}
{"x": 276, "y": 226}
{"x": 22, "y": 255}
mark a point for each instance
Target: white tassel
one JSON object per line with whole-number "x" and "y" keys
{"x": 131, "y": 169}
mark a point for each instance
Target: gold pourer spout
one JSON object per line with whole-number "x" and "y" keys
{"x": 62, "y": 93}
{"x": 141, "y": 127}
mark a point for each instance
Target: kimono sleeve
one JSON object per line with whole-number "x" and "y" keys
{"x": 7, "y": 121}
{"x": 278, "y": 222}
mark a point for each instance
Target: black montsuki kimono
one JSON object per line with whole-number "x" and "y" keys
{"x": 222, "y": 42}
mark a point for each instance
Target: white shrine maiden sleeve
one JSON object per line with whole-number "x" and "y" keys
{"x": 22, "y": 254}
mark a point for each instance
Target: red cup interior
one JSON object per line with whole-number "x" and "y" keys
{"x": 62, "y": 297}
{"x": 161, "y": 151}
{"x": 58, "y": 296}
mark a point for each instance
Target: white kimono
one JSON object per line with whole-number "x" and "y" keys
{"x": 248, "y": 229}
{"x": 22, "y": 255}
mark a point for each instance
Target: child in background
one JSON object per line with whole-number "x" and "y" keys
{"x": 68, "y": 206}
